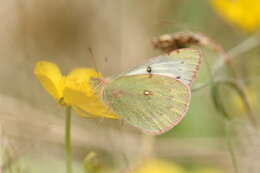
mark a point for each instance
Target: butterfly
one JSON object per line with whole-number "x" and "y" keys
{"x": 154, "y": 96}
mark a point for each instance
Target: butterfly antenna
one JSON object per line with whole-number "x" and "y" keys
{"x": 103, "y": 69}
{"x": 105, "y": 64}
{"x": 93, "y": 59}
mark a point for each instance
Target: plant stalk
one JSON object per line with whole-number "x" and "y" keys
{"x": 230, "y": 147}
{"x": 68, "y": 139}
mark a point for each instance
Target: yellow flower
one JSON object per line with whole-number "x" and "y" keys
{"x": 208, "y": 170}
{"x": 158, "y": 166}
{"x": 74, "y": 90}
{"x": 244, "y": 13}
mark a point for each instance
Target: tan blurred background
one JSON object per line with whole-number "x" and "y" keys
{"x": 119, "y": 34}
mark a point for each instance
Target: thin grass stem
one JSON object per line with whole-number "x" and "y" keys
{"x": 231, "y": 149}
{"x": 68, "y": 139}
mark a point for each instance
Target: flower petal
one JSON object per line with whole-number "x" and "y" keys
{"x": 86, "y": 105}
{"x": 158, "y": 166}
{"x": 50, "y": 78}
{"x": 79, "y": 80}
{"x": 83, "y": 75}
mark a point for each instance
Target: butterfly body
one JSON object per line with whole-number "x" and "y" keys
{"x": 154, "y": 96}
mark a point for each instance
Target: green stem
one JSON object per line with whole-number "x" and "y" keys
{"x": 231, "y": 148}
{"x": 68, "y": 139}
{"x": 200, "y": 86}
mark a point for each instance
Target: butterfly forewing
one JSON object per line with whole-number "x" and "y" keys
{"x": 151, "y": 103}
{"x": 181, "y": 64}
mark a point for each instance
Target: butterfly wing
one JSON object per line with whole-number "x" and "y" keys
{"x": 154, "y": 104}
{"x": 181, "y": 64}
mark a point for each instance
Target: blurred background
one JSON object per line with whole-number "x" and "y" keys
{"x": 119, "y": 33}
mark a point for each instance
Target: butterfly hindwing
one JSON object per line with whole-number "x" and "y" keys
{"x": 152, "y": 103}
{"x": 181, "y": 64}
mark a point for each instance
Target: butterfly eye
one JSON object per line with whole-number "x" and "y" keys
{"x": 178, "y": 77}
{"x": 147, "y": 93}
{"x": 149, "y": 69}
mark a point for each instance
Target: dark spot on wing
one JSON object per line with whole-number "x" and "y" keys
{"x": 149, "y": 69}
{"x": 178, "y": 77}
